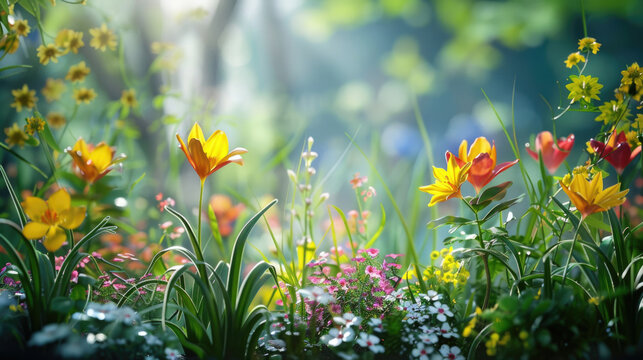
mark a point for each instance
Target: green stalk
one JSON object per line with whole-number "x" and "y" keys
{"x": 571, "y": 250}
{"x": 199, "y": 215}
{"x": 485, "y": 260}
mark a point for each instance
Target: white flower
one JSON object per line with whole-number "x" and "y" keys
{"x": 376, "y": 324}
{"x": 152, "y": 340}
{"x": 317, "y": 295}
{"x": 432, "y": 295}
{"x": 371, "y": 342}
{"x": 348, "y": 320}
{"x": 428, "y": 339}
{"x": 442, "y": 311}
{"x": 105, "y": 311}
{"x": 452, "y": 353}
{"x": 172, "y": 354}
{"x": 127, "y": 315}
{"x": 446, "y": 332}
{"x": 421, "y": 352}
{"x": 49, "y": 334}
{"x": 336, "y": 337}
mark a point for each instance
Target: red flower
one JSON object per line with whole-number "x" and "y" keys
{"x": 552, "y": 155}
{"x": 617, "y": 151}
{"x": 482, "y": 156}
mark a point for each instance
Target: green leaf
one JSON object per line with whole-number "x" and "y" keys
{"x": 494, "y": 193}
{"x": 501, "y": 207}
{"x": 48, "y": 137}
{"x": 448, "y": 220}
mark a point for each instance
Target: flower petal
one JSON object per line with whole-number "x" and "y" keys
{"x": 59, "y": 201}
{"x": 196, "y": 133}
{"x": 34, "y": 207}
{"x": 72, "y": 217}
{"x": 55, "y": 238}
{"x": 216, "y": 148}
{"x": 200, "y": 163}
{"x": 35, "y": 230}
{"x": 101, "y": 157}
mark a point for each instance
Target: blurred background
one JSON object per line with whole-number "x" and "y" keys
{"x": 272, "y": 73}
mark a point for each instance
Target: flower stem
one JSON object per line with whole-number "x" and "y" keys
{"x": 571, "y": 250}
{"x": 199, "y": 213}
{"x": 485, "y": 260}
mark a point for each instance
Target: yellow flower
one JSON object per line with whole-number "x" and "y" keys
{"x": 588, "y": 44}
{"x": 209, "y": 156}
{"x": 632, "y": 81}
{"x": 448, "y": 182}
{"x": 34, "y": 124}
{"x": 21, "y": 27}
{"x": 92, "y": 162}
{"x": 10, "y": 43}
{"x": 84, "y": 95}
{"x": 573, "y": 59}
{"x": 50, "y": 218}
{"x": 53, "y": 89}
{"x": 128, "y": 98}
{"x": 15, "y": 136}
{"x": 523, "y": 335}
{"x": 56, "y": 119}
{"x": 48, "y": 52}
{"x": 589, "y": 196}
{"x": 638, "y": 122}
{"x": 70, "y": 40}
{"x": 102, "y": 38}
{"x": 24, "y": 98}
{"x": 435, "y": 255}
{"x": 594, "y": 301}
{"x": 78, "y": 72}
{"x": 583, "y": 87}
{"x": 613, "y": 111}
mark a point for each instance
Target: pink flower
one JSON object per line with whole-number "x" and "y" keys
{"x": 358, "y": 181}
{"x": 394, "y": 256}
{"x": 553, "y": 155}
{"x": 369, "y": 193}
{"x": 358, "y": 259}
{"x": 373, "y": 252}
{"x": 372, "y": 271}
{"x": 165, "y": 225}
{"x": 74, "y": 277}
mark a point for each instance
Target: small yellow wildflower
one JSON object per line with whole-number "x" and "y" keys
{"x": 70, "y": 40}
{"x": 21, "y": 27}
{"x": 102, "y": 38}
{"x": 34, "y": 125}
{"x": 638, "y": 122}
{"x": 78, "y": 72}
{"x": 84, "y": 95}
{"x": 56, "y": 120}
{"x": 588, "y": 44}
{"x": 584, "y": 88}
{"x": 15, "y": 136}
{"x": 594, "y": 301}
{"x": 632, "y": 139}
{"x": 632, "y": 81}
{"x": 49, "y": 52}
{"x": 128, "y": 98}
{"x": 573, "y": 59}
{"x": 10, "y": 43}
{"x": 491, "y": 344}
{"x": 24, "y": 98}
{"x": 523, "y": 335}
{"x": 447, "y": 181}
{"x": 53, "y": 89}
{"x": 612, "y": 111}
{"x": 435, "y": 255}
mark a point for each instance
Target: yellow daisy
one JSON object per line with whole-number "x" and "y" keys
{"x": 9, "y": 43}
{"x": 56, "y": 120}
{"x": 70, "y": 40}
{"x": 21, "y": 27}
{"x": 78, "y": 72}
{"x": 102, "y": 38}
{"x": 48, "y": 52}
{"x": 573, "y": 59}
{"x": 128, "y": 98}
{"x": 53, "y": 89}
{"x": 15, "y": 136}
{"x": 84, "y": 95}
{"x": 588, "y": 44}
{"x": 24, "y": 98}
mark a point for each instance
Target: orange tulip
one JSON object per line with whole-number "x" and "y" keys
{"x": 206, "y": 157}
{"x": 482, "y": 157}
{"x": 92, "y": 162}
